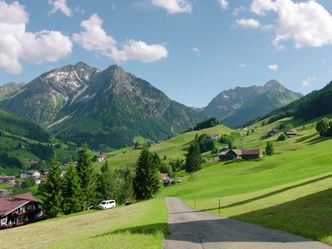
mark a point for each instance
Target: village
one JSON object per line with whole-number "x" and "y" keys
{"x": 20, "y": 209}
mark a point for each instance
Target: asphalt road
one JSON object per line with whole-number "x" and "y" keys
{"x": 190, "y": 229}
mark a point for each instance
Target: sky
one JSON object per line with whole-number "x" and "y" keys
{"x": 190, "y": 49}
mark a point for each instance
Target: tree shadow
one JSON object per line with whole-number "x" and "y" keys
{"x": 270, "y": 193}
{"x": 309, "y": 216}
{"x": 317, "y": 140}
{"x": 304, "y": 138}
{"x": 144, "y": 229}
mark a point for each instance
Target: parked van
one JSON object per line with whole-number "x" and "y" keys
{"x": 107, "y": 204}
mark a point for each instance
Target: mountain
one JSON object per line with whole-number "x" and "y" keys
{"x": 237, "y": 106}
{"x": 316, "y": 104}
{"x": 9, "y": 89}
{"x": 46, "y": 95}
{"x": 106, "y": 109}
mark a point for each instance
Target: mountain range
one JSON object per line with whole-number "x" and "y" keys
{"x": 105, "y": 109}
{"x": 238, "y": 106}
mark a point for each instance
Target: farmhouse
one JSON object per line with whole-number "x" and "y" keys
{"x": 234, "y": 154}
{"x": 7, "y": 179}
{"x": 101, "y": 157}
{"x": 166, "y": 179}
{"x": 292, "y": 133}
{"x": 19, "y": 210}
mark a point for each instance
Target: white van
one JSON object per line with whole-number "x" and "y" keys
{"x": 107, "y": 204}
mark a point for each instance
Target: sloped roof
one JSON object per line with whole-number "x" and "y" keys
{"x": 9, "y": 203}
{"x": 250, "y": 152}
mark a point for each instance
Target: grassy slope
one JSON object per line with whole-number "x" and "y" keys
{"x": 174, "y": 148}
{"x": 290, "y": 190}
{"x": 141, "y": 225}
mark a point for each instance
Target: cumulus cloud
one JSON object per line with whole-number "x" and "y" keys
{"x": 307, "y": 82}
{"x": 174, "y": 6}
{"x": 244, "y": 65}
{"x": 239, "y": 10}
{"x": 94, "y": 38}
{"x": 223, "y": 4}
{"x": 16, "y": 44}
{"x": 196, "y": 50}
{"x": 273, "y": 67}
{"x": 60, "y": 5}
{"x": 248, "y": 23}
{"x": 306, "y": 24}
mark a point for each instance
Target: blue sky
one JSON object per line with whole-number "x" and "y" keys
{"x": 190, "y": 49}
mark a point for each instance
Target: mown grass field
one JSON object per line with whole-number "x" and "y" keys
{"x": 140, "y": 225}
{"x": 290, "y": 190}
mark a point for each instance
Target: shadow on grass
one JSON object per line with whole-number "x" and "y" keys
{"x": 309, "y": 216}
{"x": 144, "y": 229}
{"x": 271, "y": 193}
{"x": 317, "y": 140}
{"x": 304, "y": 138}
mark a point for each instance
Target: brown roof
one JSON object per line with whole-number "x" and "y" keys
{"x": 251, "y": 152}
{"x": 9, "y": 203}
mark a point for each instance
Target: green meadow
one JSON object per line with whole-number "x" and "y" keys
{"x": 290, "y": 190}
{"x": 140, "y": 225}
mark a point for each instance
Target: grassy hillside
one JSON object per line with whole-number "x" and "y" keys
{"x": 22, "y": 141}
{"x": 289, "y": 190}
{"x": 141, "y": 225}
{"x": 173, "y": 149}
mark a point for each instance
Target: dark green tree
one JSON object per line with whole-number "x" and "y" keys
{"x": 72, "y": 193}
{"x": 146, "y": 182}
{"x": 86, "y": 176}
{"x": 282, "y": 137}
{"x": 193, "y": 157}
{"x": 28, "y": 183}
{"x": 52, "y": 189}
{"x": 105, "y": 183}
{"x": 269, "y": 149}
{"x": 322, "y": 127}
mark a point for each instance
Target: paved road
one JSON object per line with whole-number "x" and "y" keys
{"x": 190, "y": 229}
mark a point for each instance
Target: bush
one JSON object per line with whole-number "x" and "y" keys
{"x": 282, "y": 137}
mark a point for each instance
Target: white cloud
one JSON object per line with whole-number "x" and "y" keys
{"x": 248, "y": 23}
{"x": 238, "y": 10}
{"x": 223, "y": 4}
{"x": 196, "y": 50}
{"x": 306, "y": 24}
{"x": 174, "y": 6}
{"x": 273, "y": 67}
{"x": 94, "y": 38}
{"x": 16, "y": 44}
{"x": 307, "y": 82}
{"x": 244, "y": 65}
{"x": 78, "y": 9}
{"x": 60, "y": 5}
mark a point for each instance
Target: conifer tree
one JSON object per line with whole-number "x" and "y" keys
{"x": 72, "y": 193}
{"x": 104, "y": 188}
{"x": 52, "y": 189}
{"x": 86, "y": 176}
{"x": 146, "y": 182}
{"x": 193, "y": 158}
{"x": 269, "y": 149}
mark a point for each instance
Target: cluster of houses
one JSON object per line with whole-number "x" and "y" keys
{"x": 291, "y": 133}
{"x": 19, "y": 210}
{"x": 167, "y": 180}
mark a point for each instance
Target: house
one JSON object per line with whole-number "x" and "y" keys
{"x": 101, "y": 157}
{"x": 33, "y": 163}
{"x": 7, "y": 179}
{"x": 214, "y": 137}
{"x": 251, "y": 154}
{"x": 234, "y": 154}
{"x": 19, "y": 210}
{"x": 166, "y": 179}
{"x": 271, "y": 133}
{"x": 31, "y": 174}
{"x": 292, "y": 133}
{"x": 230, "y": 155}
